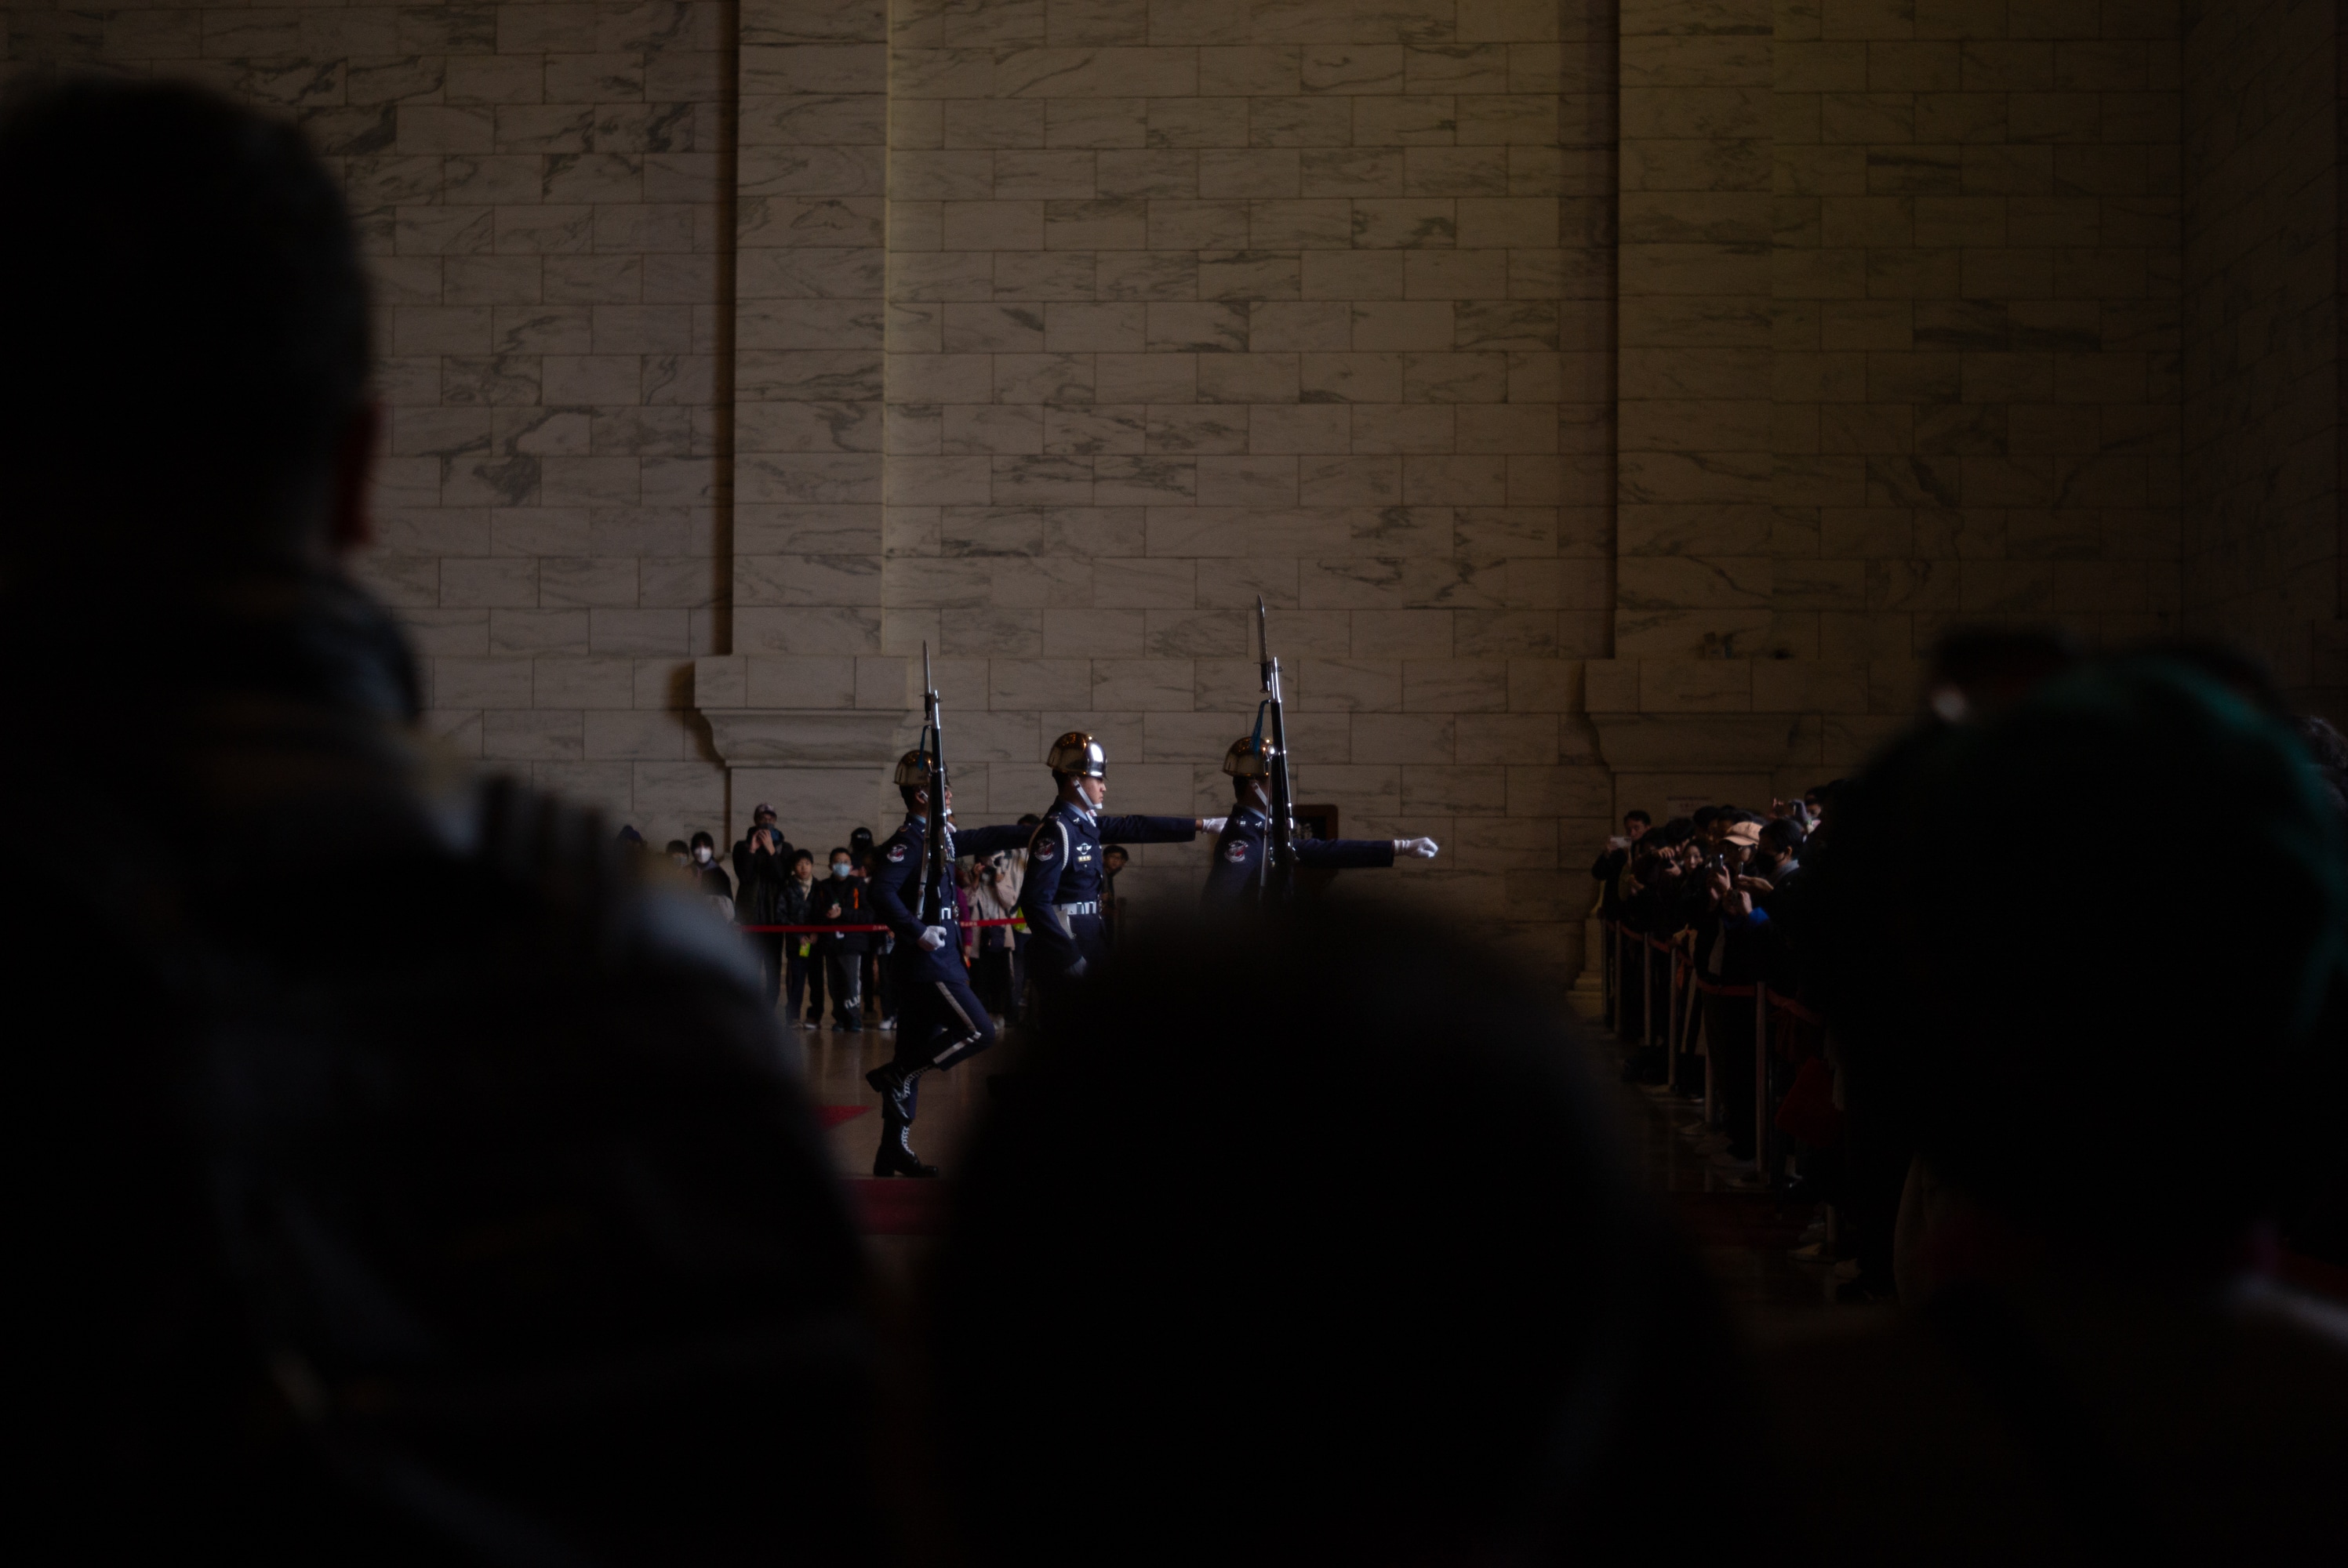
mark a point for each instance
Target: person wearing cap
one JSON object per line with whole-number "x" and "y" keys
{"x": 939, "y": 1020}
{"x": 1061, "y": 897}
{"x": 1236, "y": 872}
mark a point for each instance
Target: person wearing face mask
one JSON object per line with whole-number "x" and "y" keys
{"x": 1061, "y": 896}
{"x": 707, "y": 874}
{"x": 842, "y": 901}
{"x": 1236, "y": 871}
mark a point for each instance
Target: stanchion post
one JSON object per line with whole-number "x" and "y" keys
{"x": 1691, "y": 1015}
{"x": 1689, "y": 1005}
{"x": 1761, "y": 1079}
{"x": 1701, "y": 1029}
{"x": 1646, "y": 994}
{"x": 1672, "y": 1017}
{"x": 1609, "y": 946}
{"x": 1688, "y": 1022}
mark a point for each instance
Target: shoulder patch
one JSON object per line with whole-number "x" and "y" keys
{"x": 1236, "y": 850}
{"x": 896, "y": 854}
{"x": 1046, "y": 847}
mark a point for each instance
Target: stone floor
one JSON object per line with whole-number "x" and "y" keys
{"x": 1744, "y": 1237}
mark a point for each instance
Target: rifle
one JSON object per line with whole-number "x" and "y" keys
{"x": 934, "y": 746}
{"x": 1280, "y": 860}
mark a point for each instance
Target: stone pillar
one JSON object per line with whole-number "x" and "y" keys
{"x": 1694, "y": 457}
{"x": 804, "y": 712}
{"x": 826, "y": 768}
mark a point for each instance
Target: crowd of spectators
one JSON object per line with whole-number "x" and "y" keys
{"x": 776, "y": 885}
{"x": 1718, "y": 875}
{"x": 497, "y": 1229}
{"x": 1705, "y": 921}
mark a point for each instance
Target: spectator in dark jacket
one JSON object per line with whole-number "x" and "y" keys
{"x": 1778, "y": 858}
{"x": 803, "y": 965}
{"x": 707, "y": 874}
{"x": 761, "y": 868}
{"x": 877, "y": 983}
{"x": 762, "y": 818}
{"x": 1616, "y": 859}
{"x": 842, "y": 899}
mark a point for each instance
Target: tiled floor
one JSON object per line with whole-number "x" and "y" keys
{"x": 1729, "y": 1224}
{"x": 1756, "y": 1275}
{"x": 950, "y": 1102}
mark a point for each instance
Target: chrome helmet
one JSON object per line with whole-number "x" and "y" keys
{"x": 1076, "y": 753}
{"x": 1251, "y": 757}
{"x": 914, "y": 769}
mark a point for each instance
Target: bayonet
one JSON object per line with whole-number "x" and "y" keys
{"x": 933, "y": 741}
{"x": 1279, "y": 884}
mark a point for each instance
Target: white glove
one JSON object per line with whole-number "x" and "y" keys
{"x": 1617, "y": 842}
{"x": 1077, "y": 970}
{"x": 1423, "y": 848}
{"x": 932, "y": 937}
{"x": 1212, "y": 824}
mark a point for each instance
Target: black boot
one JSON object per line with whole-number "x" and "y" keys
{"x": 895, "y": 1086}
{"x": 896, "y": 1156}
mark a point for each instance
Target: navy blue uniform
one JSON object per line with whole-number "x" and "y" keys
{"x": 939, "y": 1020}
{"x": 1238, "y": 867}
{"x": 1061, "y": 897}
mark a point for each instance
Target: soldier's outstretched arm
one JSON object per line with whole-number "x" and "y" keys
{"x": 1149, "y": 829}
{"x": 1336, "y": 854}
{"x": 988, "y": 840}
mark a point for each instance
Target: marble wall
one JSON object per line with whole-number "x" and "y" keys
{"x": 1070, "y": 327}
{"x": 544, "y": 194}
{"x": 2264, "y": 548}
{"x": 1899, "y": 351}
{"x": 1611, "y": 402}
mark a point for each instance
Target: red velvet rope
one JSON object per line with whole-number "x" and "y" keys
{"x": 834, "y": 930}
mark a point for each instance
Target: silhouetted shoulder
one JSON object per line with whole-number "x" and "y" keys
{"x": 2067, "y": 1428}
{"x": 559, "y": 865}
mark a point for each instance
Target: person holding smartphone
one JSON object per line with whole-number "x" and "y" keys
{"x": 1615, "y": 859}
{"x": 761, "y": 868}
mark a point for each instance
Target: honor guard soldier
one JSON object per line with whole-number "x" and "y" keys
{"x": 939, "y": 1020}
{"x": 1062, "y": 895}
{"x": 1237, "y": 869}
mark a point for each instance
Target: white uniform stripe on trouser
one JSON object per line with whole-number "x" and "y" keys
{"x": 971, "y": 1033}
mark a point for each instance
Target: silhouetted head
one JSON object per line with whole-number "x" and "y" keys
{"x": 1282, "y": 1252}
{"x": 2048, "y": 1026}
{"x": 1976, "y": 671}
{"x": 185, "y": 337}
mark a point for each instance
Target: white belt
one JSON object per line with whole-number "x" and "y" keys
{"x": 1077, "y": 909}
